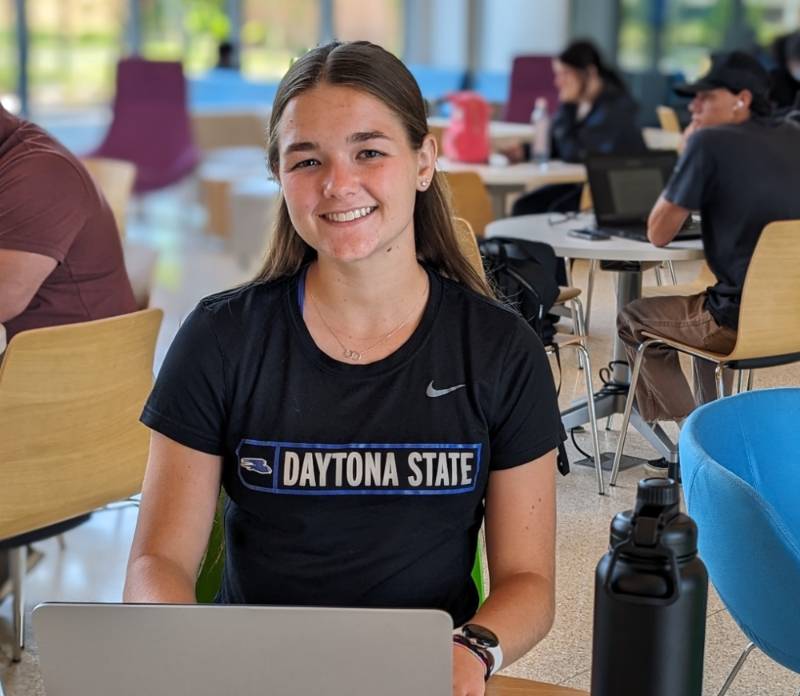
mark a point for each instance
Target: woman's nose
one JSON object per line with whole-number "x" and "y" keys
{"x": 341, "y": 180}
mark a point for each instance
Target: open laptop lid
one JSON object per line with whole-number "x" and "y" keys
{"x": 209, "y": 650}
{"x": 625, "y": 188}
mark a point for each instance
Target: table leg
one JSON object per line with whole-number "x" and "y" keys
{"x": 629, "y": 287}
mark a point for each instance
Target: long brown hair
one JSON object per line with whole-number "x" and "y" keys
{"x": 369, "y": 68}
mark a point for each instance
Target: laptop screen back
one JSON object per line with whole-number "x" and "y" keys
{"x": 208, "y": 650}
{"x": 625, "y": 188}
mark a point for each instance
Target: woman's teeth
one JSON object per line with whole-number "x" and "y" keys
{"x": 349, "y": 215}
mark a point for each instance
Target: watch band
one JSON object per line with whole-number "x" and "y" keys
{"x": 484, "y": 643}
{"x": 479, "y": 652}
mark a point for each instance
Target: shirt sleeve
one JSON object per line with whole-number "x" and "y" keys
{"x": 188, "y": 402}
{"x": 43, "y": 206}
{"x": 687, "y": 185}
{"x": 526, "y": 422}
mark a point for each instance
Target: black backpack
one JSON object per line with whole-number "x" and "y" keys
{"x": 524, "y": 275}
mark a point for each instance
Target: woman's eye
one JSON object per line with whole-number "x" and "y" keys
{"x": 304, "y": 164}
{"x": 370, "y": 154}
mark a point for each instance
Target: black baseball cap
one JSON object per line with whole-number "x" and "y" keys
{"x": 734, "y": 71}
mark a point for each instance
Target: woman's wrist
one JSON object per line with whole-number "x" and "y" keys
{"x": 483, "y": 643}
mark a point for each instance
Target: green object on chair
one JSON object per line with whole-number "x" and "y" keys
{"x": 209, "y": 578}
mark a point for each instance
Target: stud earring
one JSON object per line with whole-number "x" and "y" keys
{"x": 424, "y": 183}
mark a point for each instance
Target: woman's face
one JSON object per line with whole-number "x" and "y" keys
{"x": 348, "y": 172}
{"x": 568, "y": 82}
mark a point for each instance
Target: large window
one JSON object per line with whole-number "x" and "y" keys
{"x": 8, "y": 57}
{"x": 74, "y": 47}
{"x": 184, "y": 30}
{"x": 692, "y": 29}
{"x": 274, "y": 32}
{"x": 379, "y": 21}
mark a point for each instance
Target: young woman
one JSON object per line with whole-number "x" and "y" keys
{"x": 364, "y": 400}
{"x": 595, "y": 115}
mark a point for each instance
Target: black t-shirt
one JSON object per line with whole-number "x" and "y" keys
{"x": 740, "y": 177}
{"x": 355, "y": 485}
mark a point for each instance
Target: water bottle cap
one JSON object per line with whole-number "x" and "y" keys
{"x": 657, "y": 491}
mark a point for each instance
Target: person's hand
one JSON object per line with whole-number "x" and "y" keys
{"x": 687, "y": 133}
{"x": 468, "y": 672}
{"x": 515, "y": 153}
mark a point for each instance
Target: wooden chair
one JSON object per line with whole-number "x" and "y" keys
{"x": 567, "y": 296}
{"x": 470, "y": 199}
{"x": 115, "y": 180}
{"x": 704, "y": 279}
{"x": 668, "y": 119}
{"x": 769, "y": 319}
{"x": 70, "y": 437}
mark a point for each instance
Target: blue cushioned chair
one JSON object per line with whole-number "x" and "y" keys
{"x": 741, "y": 475}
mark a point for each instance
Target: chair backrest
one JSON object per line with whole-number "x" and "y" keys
{"x": 469, "y": 245}
{"x": 70, "y": 437}
{"x": 150, "y": 125}
{"x": 741, "y": 475}
{"x": 470, "y": 199}
{"x": 531, "y": 77}
{"x": 668, "y": 118}
{"x": 115, "y": 180}
{"x": 769, "y": 315}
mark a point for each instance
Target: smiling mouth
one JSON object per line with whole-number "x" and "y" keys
{"x": 349, "y": 215}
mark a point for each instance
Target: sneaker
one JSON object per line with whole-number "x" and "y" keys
{"x": 659, "y": 464}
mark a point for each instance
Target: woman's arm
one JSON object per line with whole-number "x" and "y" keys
{"x": 520, "y": 545}
{"x": 179, "y": 498}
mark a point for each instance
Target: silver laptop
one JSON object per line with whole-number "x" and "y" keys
{"x": 214, "y": 650}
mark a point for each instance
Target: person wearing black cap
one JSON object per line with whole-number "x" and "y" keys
{"x": 739, "y": 168}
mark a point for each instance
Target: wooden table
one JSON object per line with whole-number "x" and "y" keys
{"x": 510, "y": 686}
{"x": 553, "y": 229}
{"x": 503, "y": 179}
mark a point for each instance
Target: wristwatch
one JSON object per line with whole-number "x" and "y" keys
{"x": 484, "y": 643}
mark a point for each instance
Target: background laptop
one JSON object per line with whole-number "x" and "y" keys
{"x": 213, "y": 650}
{"x": 625, "y": 188}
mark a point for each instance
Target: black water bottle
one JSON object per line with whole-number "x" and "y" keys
{"x": 650, "y": 601}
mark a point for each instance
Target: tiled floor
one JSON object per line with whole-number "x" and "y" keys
{"x": 192, "y": 265}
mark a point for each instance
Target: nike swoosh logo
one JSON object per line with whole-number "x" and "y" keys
{"x": 432, "y": 392}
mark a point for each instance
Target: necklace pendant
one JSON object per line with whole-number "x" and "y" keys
{"x": 352, "y": 354}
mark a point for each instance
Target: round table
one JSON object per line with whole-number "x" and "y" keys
{"x": 553, "y": 229}
{"x": 503, "y": 179}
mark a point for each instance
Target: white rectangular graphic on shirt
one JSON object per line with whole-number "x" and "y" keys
{"x": 294, "y": 468}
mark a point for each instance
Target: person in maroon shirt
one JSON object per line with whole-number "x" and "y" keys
{"x": 60, "y": 253}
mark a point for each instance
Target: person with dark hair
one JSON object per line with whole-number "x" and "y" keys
{"x": 785, "y": 77}
{"x": 226, "y": 56}
{"x": 740, "y": 169}
{"x": 596, "y": 115}
{"x": 364, "y": 402}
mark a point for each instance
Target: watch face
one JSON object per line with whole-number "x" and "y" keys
{"x": 481, "y": 635}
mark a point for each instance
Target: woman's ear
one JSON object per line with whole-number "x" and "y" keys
{"x": 426, "y": 157}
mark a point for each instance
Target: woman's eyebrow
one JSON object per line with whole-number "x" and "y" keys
{"x": 362, "y": 136}
{"x": 303, "y": 146}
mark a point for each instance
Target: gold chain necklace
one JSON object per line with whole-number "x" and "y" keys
{"x": 358, "y": 355}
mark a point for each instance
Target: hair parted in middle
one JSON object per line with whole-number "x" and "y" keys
{"x": 369, "y": 68}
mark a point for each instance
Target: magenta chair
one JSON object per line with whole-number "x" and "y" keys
{"x": 150, "y": 126}
{"x": 531, "y": 77}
